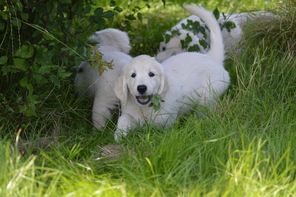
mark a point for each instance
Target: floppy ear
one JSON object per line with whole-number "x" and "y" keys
{"x": 121, "y": 89}
{"x": 163, "y": 87}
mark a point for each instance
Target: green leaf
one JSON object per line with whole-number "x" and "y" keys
{"x": 176, "y": 32}
{"x": 228, "y": 25}
{"x": 216, "y": 13}
{"x": 25, "y": 51}
{"x": 24, "y": 82}
{"x": 20, "y": 63}
{"x": 4, "y": 15}
{"x": 136, "y": 8}
{"x": 74, "y": 8}
{"x": 44, "y": 69}
{"x": 92, "y": 42}
{"x": 19, "y": 6}
{"x": 98, "y": 21}
{"x": 139, "y": 15}
{"x": 194, "y": 48}
{"x": 24, "y": 16}
{"x": 108, "y": 14}
{"x": 87, "y": 9}
{"x": 55, "y": 80}
{"x": 167, "y": 38}
{"x": 155, "y": 102}
{"x": 130, "y": 17}
{"x": 203, "y": 43}
{"x": 65, "y": 74}
{"x": 40, "y": 79}
{"x": 185, "y": 43}
{"x": 112, "y": 3}
{"x": 30, "y": 110}
{"x": 32, "y": 99}
{"x": 31, "y": 89}
{"x": 7, "y": 69}
{"x": 118, "y": 9}
{"x": 99, "y": 11}
{"x": 203, "y": 31}
{"x": 16, "y": 22}
{"x": 3, "y": 60}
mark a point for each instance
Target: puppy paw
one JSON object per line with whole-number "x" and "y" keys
{"x": 119, "y": 134}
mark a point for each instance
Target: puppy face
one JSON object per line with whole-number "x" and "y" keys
{"x": 142, "y": 78}
{"x": 166, "y": 50}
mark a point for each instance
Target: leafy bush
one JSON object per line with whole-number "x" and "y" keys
{"x": 41, "y": 40}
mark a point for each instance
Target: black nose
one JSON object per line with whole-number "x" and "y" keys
{"x": 142, "y": 89}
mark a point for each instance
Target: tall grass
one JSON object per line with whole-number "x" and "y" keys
{"x": 244, "y": 148}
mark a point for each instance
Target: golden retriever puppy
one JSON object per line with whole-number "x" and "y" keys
{"x": 173, "y": 46}
{"x": 114, "y": 45}
{"x": 110, "y": 40}
{"x": 231, "y": 37}
{"x": 182, "y": 81}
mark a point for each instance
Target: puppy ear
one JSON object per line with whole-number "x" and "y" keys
{"x": 121, "y": 89}
{"x": 163, "y": 83}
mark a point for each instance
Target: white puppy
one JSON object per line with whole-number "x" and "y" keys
{"x": 182, "y": 81}
{"x": 231, "y": 38}
{"x": 246, "y": 17}
{"x": 172, "y": 47}
{"x": 114, "y": 45}
{"x": 110, "y": 40}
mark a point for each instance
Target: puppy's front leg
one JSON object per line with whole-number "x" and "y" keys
{"x": 125, "y": 123}
{"x": 100, "y": 114}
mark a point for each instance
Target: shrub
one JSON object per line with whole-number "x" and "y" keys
{"x": 41, "y": 41}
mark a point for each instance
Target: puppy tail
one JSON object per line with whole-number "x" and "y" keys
{"x": 217, "y": 46}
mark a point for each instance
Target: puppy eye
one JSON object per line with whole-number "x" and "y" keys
{"x": 163, "y": 48}
{"x": 151, "y": 74}
{"x": 133, "y": 75}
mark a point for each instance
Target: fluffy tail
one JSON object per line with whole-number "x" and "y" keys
{"x": 216, "y": 45}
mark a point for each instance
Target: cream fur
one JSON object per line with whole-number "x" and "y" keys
{"x": 114, "y": 45}
{"x": 182, "y": 81}
{"x": 231, "y": 39}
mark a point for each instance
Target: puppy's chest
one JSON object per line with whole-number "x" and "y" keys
{"x": 141, "y": 114}
{"x": 147, "y": 113}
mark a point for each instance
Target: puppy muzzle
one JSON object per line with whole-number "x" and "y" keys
{"x": 144, "y": 100}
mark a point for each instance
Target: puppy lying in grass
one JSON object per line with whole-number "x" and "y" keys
{"x": 182, "y": 82}
{"x": 191, "y": 34}
{"x": 114, "y": 46}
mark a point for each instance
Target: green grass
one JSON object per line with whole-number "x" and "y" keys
{"x": 246, "y": 147}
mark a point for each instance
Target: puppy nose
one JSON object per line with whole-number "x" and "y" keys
{"x": 142, "y": 89}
